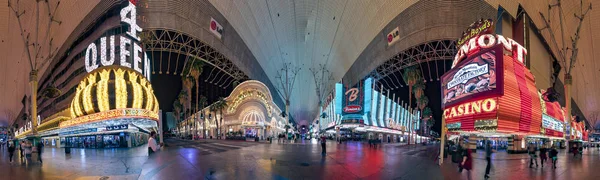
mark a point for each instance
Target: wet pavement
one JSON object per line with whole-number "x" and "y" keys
{"x": 221, "y": 159}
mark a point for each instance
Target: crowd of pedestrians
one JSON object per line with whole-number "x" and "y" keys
{"x": 26, "y": 149}
{"x": 462, "y": 156}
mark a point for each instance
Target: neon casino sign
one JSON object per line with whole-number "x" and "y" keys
{"x": 487, "y": 41}
{"x": 471, "y": 108}
{"x": 130, "y": 52}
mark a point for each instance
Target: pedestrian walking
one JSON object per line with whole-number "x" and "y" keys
{"x": 532, "y": 156}
{"x": 21, "y": 150}
{"x": 323, "y": 147}
{"x": 40, "y": 147}
{"x": 543, "y": 155}
{"x": 467, "y": 162}
{"x": 554, "y": 156}
{"x": 28, "y": 150}
{"x": 11, "y": 152}
{"x": 488, "y": 158}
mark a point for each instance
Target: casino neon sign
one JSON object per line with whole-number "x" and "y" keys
{"x": 130, "y": 52}
{"x": 471, "y": 108}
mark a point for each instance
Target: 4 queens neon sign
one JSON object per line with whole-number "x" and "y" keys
{"x": 130, "y": 52}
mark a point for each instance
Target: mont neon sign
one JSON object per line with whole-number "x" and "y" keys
{"x": 486, "y": 41}
{"x": 130, "y": 52}
{"x": 471, "y": 108}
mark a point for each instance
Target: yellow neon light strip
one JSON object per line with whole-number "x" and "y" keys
{"x": 102, "y": 91}
{"x": 115, "y": 113}
{"x": 121, "y": 89}
{"x": 137, "y": 90}
{"x": 87, "y": 95}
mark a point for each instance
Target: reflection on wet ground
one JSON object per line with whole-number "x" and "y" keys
{"x": 220, "y": 159}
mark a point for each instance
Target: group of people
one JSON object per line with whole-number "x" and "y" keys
{"x": 25, "y": 150}
{"x": 282, "y": 138}
{"x": 463, "y": 157}
{"x": 544, "y": 154}
{"x": 577, "y": 150}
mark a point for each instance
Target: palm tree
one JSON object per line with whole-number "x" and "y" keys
{"x": 411, "y": 76}
{"x": 426, "y": 113}
{"x": 202, "y": 102}
{"x": 421, "y": 104}
{"x": 182, "y": 98}
{"x": 219, "y": 106}
{"x": 187, "y": 83}
{"x": 177, "y": 113}
{"x": 195, "y": 72}
{"x": 418, "y": 89}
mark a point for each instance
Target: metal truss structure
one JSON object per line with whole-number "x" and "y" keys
{"x": 223, "y": 72}
{"x": 428, "y": 54}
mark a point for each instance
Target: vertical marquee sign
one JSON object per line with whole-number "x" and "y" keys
{"x": 353, "y": 102}
{"x": 130, "y": 53}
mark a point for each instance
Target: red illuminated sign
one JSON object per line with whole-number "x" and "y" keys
{"x": 352, "y": 109}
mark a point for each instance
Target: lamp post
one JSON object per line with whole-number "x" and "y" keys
{"x": 567, "y": 63}
{"x": 33, "y": 49}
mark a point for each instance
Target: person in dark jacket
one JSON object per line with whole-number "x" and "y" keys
{"x": 554, "y": 156}
{"x": 11, "y": 152}
{"x": 40, "y": 147}
{"x": 323, "y": 147}
{"x": 488, "y": 158}
{"x": 543, "y": 155}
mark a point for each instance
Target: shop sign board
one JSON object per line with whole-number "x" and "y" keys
{"x": 393, "y": 36}
{"x": 129, "y": 54}
{"x": 483, "y": 26}
{"x": 353, "y": 100}
{"x": 480, "y": 76}
{"x": 549, "y": 122}
{"x": 117, "y": 127}
{"x": 353, "y": 121}
{"x": 216, "y": 28}
{"x": 394, "y": 125}
{"x": 79, "y": 131}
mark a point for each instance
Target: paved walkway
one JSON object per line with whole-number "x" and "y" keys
{"x": 220, "y": 159}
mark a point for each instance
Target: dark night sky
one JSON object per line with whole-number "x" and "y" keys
{"x": 432, "y": 90}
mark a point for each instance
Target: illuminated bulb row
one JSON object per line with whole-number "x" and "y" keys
{"x": 88, "y": 105}
{"x": 102, "y": 91}
{"x": 120, "y": 89}
{"x": 137, "y": 90}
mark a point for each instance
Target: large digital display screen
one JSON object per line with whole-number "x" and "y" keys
{"x": 476, "y": 77}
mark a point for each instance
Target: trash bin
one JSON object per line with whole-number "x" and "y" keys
{"x": 67, "y": 150}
